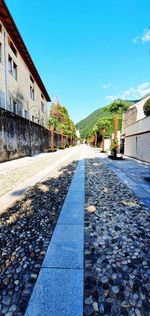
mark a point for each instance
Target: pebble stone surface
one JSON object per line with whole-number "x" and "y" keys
{"x": 117, "y": 246}
{"x": 25, "y": 232}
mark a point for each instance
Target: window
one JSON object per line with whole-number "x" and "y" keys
{"x": 14, "y": 106}
{"x": 31, "y": 93}
{"x": 26, "y": 114}
{"x": 15, "y": 71}
{"x": 2, "y": 99}
{"x": 0, "y": 52}
{"x": 31, "y": 79}
{"x": 10, "y": 64}
{"x": 13, "y": 48}
{"x": 11, "y": 45}
{"x": 12, "y": 67}
{"x": 11, "y": 104}
{"x": 42, "y": 107}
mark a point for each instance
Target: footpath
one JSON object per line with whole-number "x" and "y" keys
{"x": 135, "y": 174}
{"x": 18, "y": 176}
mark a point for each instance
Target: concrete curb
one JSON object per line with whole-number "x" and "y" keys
{"x": 59, "y": 287}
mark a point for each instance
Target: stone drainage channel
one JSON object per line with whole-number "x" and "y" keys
{"x": 59, "y": 288}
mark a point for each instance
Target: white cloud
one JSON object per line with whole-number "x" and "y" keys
{"x": 112, "y": 97}
{"x": 106, "y": 86}
{"x": 145, "y": 37}
{"x": 132, "y": 93}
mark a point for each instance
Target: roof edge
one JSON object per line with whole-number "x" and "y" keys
{"x": 10, "y": 25}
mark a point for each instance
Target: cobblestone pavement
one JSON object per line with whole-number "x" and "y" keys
{"x": 25, "y": 232}
{"x": 17, "y": 171}
{"x": 117, "y": 246}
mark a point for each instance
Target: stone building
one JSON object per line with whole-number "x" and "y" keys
{"x": 21, "y": 88}
{"x": 136, "y": 131}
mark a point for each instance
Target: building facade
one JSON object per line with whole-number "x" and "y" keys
{"x": 136, "y": 130}
{"x": 21, "y": 88}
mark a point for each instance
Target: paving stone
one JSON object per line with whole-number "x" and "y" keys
{"x": 66, "y": 247}
{"x": 63, "y": 298}
{"x": 117, "y": 234}
{"x": 72, "y": 214}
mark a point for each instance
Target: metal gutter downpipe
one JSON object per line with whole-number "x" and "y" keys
{"x": 5, "y": 67}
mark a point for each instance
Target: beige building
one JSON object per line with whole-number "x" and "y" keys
{"x": 21, "y": 88}
{"x": 136, "y": 129}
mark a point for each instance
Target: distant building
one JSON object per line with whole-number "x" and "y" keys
{"x": 136, "y": 131}
{"x": 78, "y": 133}
{"x": 21, "y": 88}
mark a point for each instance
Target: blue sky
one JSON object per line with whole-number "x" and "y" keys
{"x": 88, "y": 52}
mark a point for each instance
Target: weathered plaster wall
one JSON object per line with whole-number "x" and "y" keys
{"x": 18, "y": 136}
{"x": 15, "y": 138}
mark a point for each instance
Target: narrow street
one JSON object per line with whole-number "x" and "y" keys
{"x": 74, "y": 158}
{"x": 116, "y": 236}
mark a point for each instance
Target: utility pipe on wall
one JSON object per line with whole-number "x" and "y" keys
{"x": 5, "y": 67}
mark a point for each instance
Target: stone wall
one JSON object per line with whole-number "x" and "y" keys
{"x": 18, "y": 135}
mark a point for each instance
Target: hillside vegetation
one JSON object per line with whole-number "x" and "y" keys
{"x": 88, "y": 123}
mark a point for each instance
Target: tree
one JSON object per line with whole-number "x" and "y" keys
{"x": 93, "y": 133}
{"x": 103, "y": 125}
{"x": 60, "y": 120}
{"x": 117, "y": 107}
{"x": 146, "y": 107}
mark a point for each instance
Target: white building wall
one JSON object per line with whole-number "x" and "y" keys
{"x": 139, "y": 106}
{"x": 107, "y": 143}
{"x": 138, "y": 127}
{"x": 137, "y": 141}
{"x": 19, "y": 89}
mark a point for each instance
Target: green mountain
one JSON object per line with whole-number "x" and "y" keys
{"x": 87, "y": 124}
